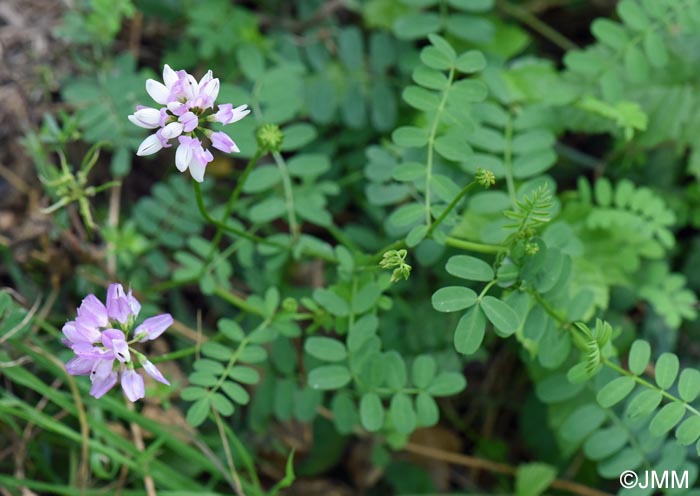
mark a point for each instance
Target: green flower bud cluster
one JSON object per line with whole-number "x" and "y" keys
{"x": 485, "y": 178}
{"x": 396, "y": 259}
{"x": 270, "y": 138}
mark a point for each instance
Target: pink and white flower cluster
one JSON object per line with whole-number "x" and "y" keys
{"x": 99, "y": 338}
{"x": 188, "y": 104}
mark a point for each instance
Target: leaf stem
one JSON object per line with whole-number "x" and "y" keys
{"x": 232, "y": 202}
{"x": 649, "y": 385}
{"x": 227, "y": 452}
{"x": 486, "y": 289}
{"x": 237, "y": 301}
{"x": 225, "y": 227}
{"x": 473, "y": 246}
{"x": 288, "y": 195}
{"x": 449, "y": 208}
{"x": 544, "y": 29}
{"x": 431, "y": 145}
{"x": 507, "y": 161}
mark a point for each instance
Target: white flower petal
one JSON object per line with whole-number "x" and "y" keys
{"x": 148, "y": 118}
{"x": 191, "y": 88}
{"x": 154, "y": 372}
{"x": 169, "y": 76}
{"x": 149, "y": 146}
{"x": 172, "y": 130}
{"x": 175, "y": 107}
{"x": 183, "y": 157}
{"x": 206, "y": 78}
{"x": 211, "y": 89}
{"x": 197, "y": 171}
{"x": 239, "y": 113}
{"x": 158, "y": 91}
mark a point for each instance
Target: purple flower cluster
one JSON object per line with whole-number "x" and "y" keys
{"x": 188, "y": 104}
{"x": 99, "y": 337}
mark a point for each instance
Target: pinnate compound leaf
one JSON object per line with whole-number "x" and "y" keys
{"x": 470, "y": 62}
{"x": 420, "y": 98}
{"x": 192, "y": 393}
{"x": 453, "y": 298}
{"x": 331, "y": 302}
{"x": 416, "y": 235}
{"x": 667, "y": 418}
{"x": 345, "y": 415}
{"x": 644, "y": 403}
{"x": 231, "y": 329}
{"x": 435, "y": 59}
{"x": 197, "y": 413}
{"x": 605, "y": 442}
{"x": 533, "y": 479}
{"x": 501, "y": 315}
{"x": 216, "y": 350}
{"x": 203, "y": 379}
{"x": 666, "y": 370}
{"x": 410, "y": 136}
{"x": 427, "y": 411}
{"x": 324, "y": 348}
{"x": 395, "y": 370}
{"x": 329, "y": 377}
{"x": 633, "y": 15}
{"x": 655, "y": 49}
{"x": 615, "y": 391}
{"x": 407, "y": 214}
{"x": 689, "y": 431}
{"x": 447, "y": 384}
{"x": 403, "y": 415}
{"x": 371, "y": 412}
{"x": 423, "y": 370}
{"x": 416, "y": 25}
{"x": 221, "y": 404}
{"x": 236, "y": 392}
{"x": 246, "y": 375}
{"x": 640, "y": 352}
{"x": 689, "y": 384}
{"x": 470, "y": 331}
{"x": 470, "y": 268}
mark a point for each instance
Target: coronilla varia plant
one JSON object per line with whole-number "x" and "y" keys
{"x": 450, "y": 247}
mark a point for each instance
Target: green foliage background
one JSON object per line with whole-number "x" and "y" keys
{"x": 548, "y": 322}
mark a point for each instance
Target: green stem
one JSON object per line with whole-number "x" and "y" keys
{"x": 245, "y": 457}
{"x": 649, "y": 385}
{"x": 339, "y": 235}
{"x": 224, "y": 227}
{"x": 431, "y": 145}
{"x": 227, "y": 453}
{"x": 507, "y": 161}
{"x": 449, "y": 208}
{"x": 93, "y": 190}
{"x": 237, "y": 301}
{"x": 545, "y": 30}
{"x": 486, "y": 289}
{"x": 473, "y": 246}
{"x": 166, "y": 285}
{"x": 288, "y": 195}
{"x": 175, "y": 355}
{"x": 232, "y": 201}
{"x": 563, "y": 322}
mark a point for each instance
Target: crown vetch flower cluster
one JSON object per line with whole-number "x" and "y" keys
{"x": 99, "y": 338}
{"x": 188, "y": 105}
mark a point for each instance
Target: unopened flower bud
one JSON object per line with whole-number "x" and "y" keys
{"x": 270, "y": 137}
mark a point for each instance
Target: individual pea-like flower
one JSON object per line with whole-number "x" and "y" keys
{"x": 187, "y": 106}
{"x": 99, "y": 337}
